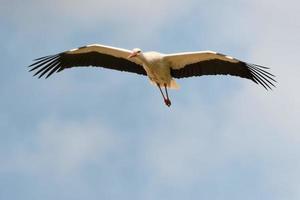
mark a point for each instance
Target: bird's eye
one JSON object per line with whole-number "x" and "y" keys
{"x": 138, "y": 51}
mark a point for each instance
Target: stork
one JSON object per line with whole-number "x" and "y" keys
{"x": 160, "y": 68}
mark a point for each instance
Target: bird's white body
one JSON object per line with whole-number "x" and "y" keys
{"x": 157, "y": 69}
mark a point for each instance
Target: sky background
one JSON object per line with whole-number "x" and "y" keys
{"x": 101, "y": 134}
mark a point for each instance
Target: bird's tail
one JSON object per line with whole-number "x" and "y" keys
{"x": 173, "y": 85}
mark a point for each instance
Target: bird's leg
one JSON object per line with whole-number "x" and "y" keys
{"x": 167, "y": 101}
{"x": 161, "y": 91}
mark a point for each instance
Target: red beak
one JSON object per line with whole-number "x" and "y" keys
{"x": 133, "y": 54}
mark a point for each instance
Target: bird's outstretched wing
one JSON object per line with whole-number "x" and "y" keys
{"x": 90, "y": 55}
{"x": 211, "y": 63}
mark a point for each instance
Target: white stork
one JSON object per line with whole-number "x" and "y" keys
{"x": 160, "y": 68}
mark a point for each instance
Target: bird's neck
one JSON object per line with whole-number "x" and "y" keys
{"x": 143, "y": 58}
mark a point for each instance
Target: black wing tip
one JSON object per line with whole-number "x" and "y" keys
{"x": 46, "y": 64}
{"x": 44, "y": 57}
{"x": 261, "y": 77}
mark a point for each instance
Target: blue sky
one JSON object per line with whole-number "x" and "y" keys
{"x": 100, "y": 134}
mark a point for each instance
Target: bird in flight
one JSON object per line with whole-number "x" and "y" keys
{"x": 160, "y": 68}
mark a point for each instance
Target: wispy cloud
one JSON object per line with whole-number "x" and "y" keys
{"x": 61, "y": 148}
{"x": 222, "y": 139}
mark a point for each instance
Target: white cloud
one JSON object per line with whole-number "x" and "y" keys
{"x": 251, "y": 126}
{"x": 195, "y": 140}
{"x": 132, "y": 19}
{"x": 62, "y": 148}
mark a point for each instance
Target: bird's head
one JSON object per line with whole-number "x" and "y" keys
{"x": 135, "y": 52}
